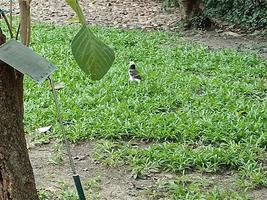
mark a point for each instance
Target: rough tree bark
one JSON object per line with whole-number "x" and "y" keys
{"x": 191, "y": 9}
{"x": 16, "y": 174}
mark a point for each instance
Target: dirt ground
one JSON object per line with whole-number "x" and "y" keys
{"x": 113, "y": 183}
{"x": 145, "y": 15}
{"x": 117, "y": 183}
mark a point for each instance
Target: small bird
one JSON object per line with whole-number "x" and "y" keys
{"x": 134, "y": 76}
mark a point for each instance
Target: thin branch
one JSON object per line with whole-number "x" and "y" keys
{"x": 11, "y": 13}
{"x": 25, "y": 21}
{"x": 8, "y": 25}
{"x": 2, "y": 37}
{"x": 17, "y": 34}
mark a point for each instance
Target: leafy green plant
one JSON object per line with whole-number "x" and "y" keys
{"x": 63, "y": 192}
{"x": 57, "y": 156}
{"x": 93, "y": 187}
{"x": 186, "y": 188}
{"x": 251, "y": 14}
{"x": 252, "y": 175}
{"x": 195, "y": 109}
{"x": 92, "y": 55}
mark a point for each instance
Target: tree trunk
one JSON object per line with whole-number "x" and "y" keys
{"x": 16, "y": 174}
{"x": 190, "y": 8}
{"x": 192, "y": 14}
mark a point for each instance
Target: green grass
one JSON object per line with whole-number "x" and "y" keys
{"x": 200, "y": 109}
{"x": 188, "y": 92}
{"x": 194, "y": 188}
{"x": 62, "y": 192}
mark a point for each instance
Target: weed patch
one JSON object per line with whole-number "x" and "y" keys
{"x": 204, "y": 110}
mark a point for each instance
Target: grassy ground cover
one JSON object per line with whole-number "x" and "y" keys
{"x": 199, "y": 109}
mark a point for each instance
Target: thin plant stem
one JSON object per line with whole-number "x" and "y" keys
{"x": 8, "y": 25}
{"x": 17, "y": 34}
{"x": 11, "y": 14}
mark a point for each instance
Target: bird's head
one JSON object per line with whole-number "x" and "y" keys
{"x": 132, "y": 65}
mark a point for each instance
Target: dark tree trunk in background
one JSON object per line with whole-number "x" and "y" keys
{"x": 16, "y": 174}
{"x": 192, "y": 14}
{"x": 190, "y": 8}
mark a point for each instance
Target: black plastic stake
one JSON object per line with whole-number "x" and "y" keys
{"x": 79, "y": 186}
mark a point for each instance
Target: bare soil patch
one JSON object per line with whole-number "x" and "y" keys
{"x": 230, "y": 40}
{"x": 116, "y": 183}
{"x": 116, "y": 13}
{"x": 145, "y": 15}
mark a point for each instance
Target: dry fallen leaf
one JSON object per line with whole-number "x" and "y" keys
{"x": 43, "y": 129}
{"x": 59, "y": 86}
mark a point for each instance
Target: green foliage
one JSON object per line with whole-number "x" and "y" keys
{"x": 188, "y": 92}
{"x": 92, "y": 55}
{"x": 251, "y": 14}
{"x": 93, "y": 188}
{"x": 183, "y": 158}
{"x": 63, "y": 192}
{"x": 204, "y": 110}
{"x": 186, "y": 188}
{"x": 177, "y": 157}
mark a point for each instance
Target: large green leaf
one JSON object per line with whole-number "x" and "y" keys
{"x": 92, "y": 55}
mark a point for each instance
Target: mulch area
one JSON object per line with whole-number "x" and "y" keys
{"x": 143, "y": 14}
